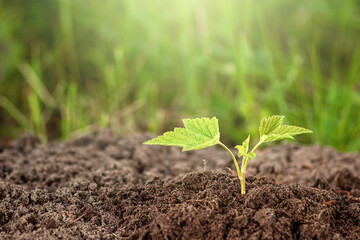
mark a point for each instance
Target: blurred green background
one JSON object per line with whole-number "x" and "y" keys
{"x": 68, "y": 67}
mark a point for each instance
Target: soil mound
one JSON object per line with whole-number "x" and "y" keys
{"x": 106, "y": 187}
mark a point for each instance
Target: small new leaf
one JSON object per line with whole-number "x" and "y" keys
{"x": 198, "y": 133}
{"x": 252, "y": 155}
{"x": 244, "y": 148}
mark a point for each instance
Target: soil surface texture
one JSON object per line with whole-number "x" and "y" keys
{"x": 109, "y": 187}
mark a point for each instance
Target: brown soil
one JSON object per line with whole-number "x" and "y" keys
{"x": 105, "y": 187}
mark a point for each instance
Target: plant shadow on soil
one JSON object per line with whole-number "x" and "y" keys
{"x": 105, "y": 187}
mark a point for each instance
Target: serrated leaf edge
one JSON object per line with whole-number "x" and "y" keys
{"x": 213, "y": 141}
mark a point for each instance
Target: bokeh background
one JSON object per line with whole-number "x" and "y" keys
{"x": 69, "y": 67}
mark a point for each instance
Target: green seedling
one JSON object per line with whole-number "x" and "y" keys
{"x": 204, "y": 132}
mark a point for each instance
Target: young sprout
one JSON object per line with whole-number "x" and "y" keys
{"x": 204, "y": 132}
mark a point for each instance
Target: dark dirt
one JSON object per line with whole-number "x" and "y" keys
{"x": 105, "y": 187}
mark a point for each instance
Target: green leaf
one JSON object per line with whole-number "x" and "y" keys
{"x": 252, "y": 155}
{"x": 272, "y": 129}
{"x": 275, "y": 137}
{"x": 291, "y": 130}
{"x": 198, "y": 133}
{"x": 267, "y": 125}
{"x": 244, "y": 148}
